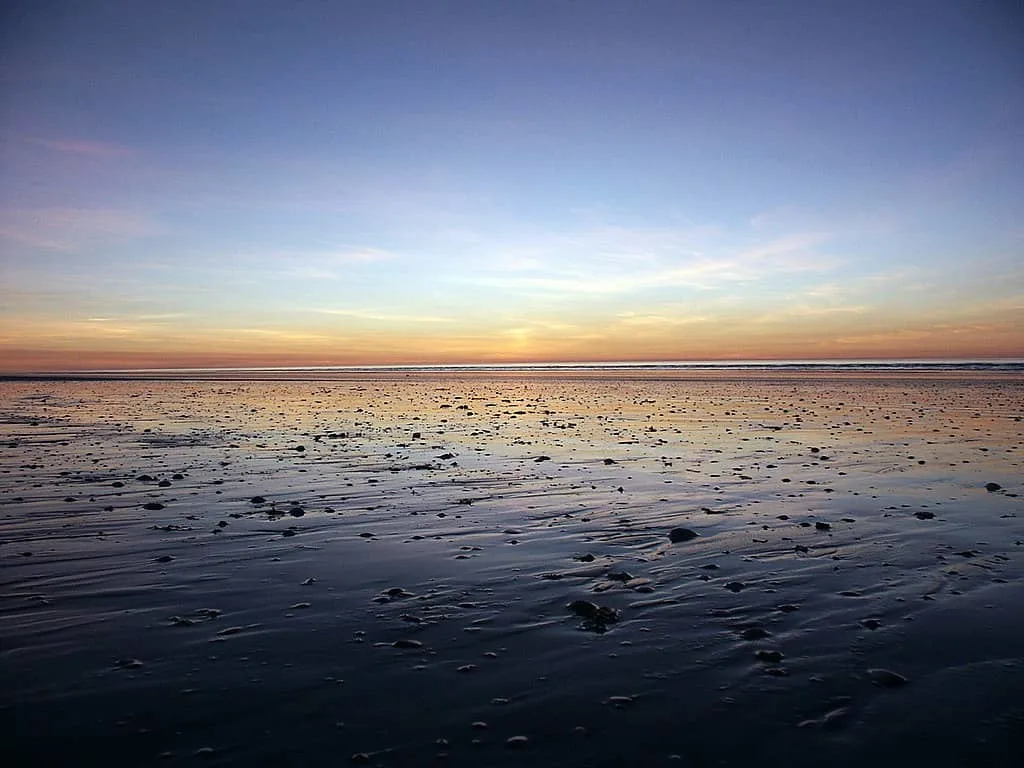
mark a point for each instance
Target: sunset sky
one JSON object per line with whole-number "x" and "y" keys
{"x": 188, "y": 183}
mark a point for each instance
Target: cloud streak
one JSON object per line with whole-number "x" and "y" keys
{"x": 97, "y": 149}
{"x": 66, "y": 229}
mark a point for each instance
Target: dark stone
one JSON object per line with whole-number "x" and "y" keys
{"x": 596, "y": 618}
{"x": 678, "y": 535}
{"x": 886, "y": 679}
{"x": 406, "y": 643}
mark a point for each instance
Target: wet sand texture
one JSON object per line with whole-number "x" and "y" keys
{"x": 502, "y": 570}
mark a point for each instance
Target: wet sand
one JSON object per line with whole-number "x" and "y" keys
{"x": 499, "y": 569}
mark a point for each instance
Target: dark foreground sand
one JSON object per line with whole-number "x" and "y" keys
{"x": 379, "y": 570}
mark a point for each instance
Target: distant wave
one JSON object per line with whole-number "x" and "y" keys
{"x": 1007, "y": 366}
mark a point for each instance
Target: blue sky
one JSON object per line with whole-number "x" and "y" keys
{"x": 344, "y": 182}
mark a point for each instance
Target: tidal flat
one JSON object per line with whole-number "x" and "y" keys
{"x": 506, "y": 568}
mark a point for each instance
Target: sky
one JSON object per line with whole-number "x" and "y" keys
{"x": 308, "y": 182}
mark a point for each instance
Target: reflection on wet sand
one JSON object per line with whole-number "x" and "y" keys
{"x": 592, "y": 569}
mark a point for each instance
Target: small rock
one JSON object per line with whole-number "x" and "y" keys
{"x": 407, "y": 643}
{"x": 769, "y": 657}
{"x": 993, "y": 487}
{"x": 735, "y": 586}
{"x": 678, "y": 535}
{"x": 596, "y": 617}
{"x": 922, "y": 514}
{"x": 754, "y": 633}
{"x": 885, "y": 678}
{"x": 831, "y": 719}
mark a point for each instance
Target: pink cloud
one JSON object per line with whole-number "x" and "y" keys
{"x": 63, "y": 229}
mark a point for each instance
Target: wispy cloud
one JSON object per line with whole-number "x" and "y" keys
{"x": 387, "y": 317}
{"x": 616, "y": 261}
{"x": 97, "y": 149}
{"x": 64, "y": 229}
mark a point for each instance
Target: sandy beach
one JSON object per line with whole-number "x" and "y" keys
{"x": 506, "y": 569}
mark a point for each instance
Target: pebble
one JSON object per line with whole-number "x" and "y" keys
{"x": 735, "y": 586}
{"x": 831, "y": 719}
{"x": 596, "y": 617}
{"x": 678, "y": 535}
{"x": 993, "y": 487}
{"x": 407, "y": 643}
{"x": 885, "y": 678}
{"x": 769, "y": 657}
